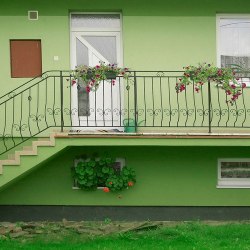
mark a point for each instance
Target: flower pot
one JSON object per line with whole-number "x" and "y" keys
{"x": 110, "y": 75}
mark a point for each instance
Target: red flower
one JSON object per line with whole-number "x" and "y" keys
{"x": 97, "y": 76}
{"x": 130, "y": 183}
{"x": 228, "y": 92}
{"x": 88, "y": 89}
{"x": 106, "y": 189}
{"x": 97, "y": 66}
{"x": 233, "y": 86}
{"x": 219, "y": 72}
{"x": 73, "y": 82}
{"x": 243, "y": 85}
{"x": 113, "y": 82}
{"x": 197, "y": 89}
{"x": 110, "y": 183}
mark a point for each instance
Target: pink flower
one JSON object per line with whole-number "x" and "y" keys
{"x": 97, "y": 66}
{"x": 197, "y": 89}
{"x": 243, "y": 85}
{"x": 228, "y": 92}
{"x": 73, "y": 82}
{"x": 233, "y": 86}
{"x": 113, "y": 82}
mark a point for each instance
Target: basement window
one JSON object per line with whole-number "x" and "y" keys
{"x": 118, "y": 165}
{"x": 234, "y": 173}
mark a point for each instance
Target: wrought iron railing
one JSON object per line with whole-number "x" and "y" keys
{"x": 146, "y": 100}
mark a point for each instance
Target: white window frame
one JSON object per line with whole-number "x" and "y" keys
{"x": 232, "y": 182}
{"x": 218, "y": 49}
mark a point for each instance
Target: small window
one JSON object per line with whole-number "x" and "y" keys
{"x": 234, "y": 173}
{"x": 26, "y": 58}
{"x": 118, "y": 165}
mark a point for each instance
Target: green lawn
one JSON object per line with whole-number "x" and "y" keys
{"x": 182, "y": 236}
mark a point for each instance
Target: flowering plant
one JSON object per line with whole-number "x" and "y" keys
{"x": 90, "y": 173}
{"x": 93, "y": 76}
{"x": 225, "y": 78}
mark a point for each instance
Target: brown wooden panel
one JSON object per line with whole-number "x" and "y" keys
{"x": 26, "y": 58}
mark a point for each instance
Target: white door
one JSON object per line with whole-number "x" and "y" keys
{"x": 100, "y": 109}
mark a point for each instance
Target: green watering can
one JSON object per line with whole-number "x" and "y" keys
{"x": 130, "y": 126}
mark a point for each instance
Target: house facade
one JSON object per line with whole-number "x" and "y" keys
{"x": 190, "y": 150}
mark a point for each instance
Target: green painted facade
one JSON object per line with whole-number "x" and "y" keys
{"x": 163, "y": 35}
{"x": 166, "y": 176}
{"x": 170, "y": 172}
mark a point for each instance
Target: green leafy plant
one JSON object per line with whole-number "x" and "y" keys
{"x": 225, "y": 78}
{"x": 91, "y": 173}
{"x": 92, "y": 77}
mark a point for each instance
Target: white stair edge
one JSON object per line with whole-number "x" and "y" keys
{"x": 28, "y": 150}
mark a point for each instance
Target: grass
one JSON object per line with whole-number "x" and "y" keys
{"x": 182, "y": 236}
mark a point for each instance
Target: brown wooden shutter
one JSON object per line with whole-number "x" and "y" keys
{"x": 26, "y": 58}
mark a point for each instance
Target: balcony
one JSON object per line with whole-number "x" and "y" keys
{"x": 144, "y": 104}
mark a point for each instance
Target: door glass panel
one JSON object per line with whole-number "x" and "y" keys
{"x": 82, "y": 57}
{"x": 83, "y": 99}
{"x": 95, "y": 21}
{"x": 105, "y": 45}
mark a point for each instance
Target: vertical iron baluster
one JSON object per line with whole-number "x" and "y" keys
{"x": 70, "y": 100}
{"x": 153, "y": 102}
{"x": 169, "y": 103}
{"x": 187, "y": 110}
{"x": 135, "y": 101}
{"x": 46, "y": 100}
{"x": 194, "y": 105}
{"x": 29, "y": 112}
{"x": 219, "y": 108}
{"x": 37, "y": 108}
{"x": 244, "y": 106}
{"x": 228, "y": 113}
{"x": 178, "y": 107}
{"x": 54, "y": 100}
{"x": 61, "y": 91}
{"x": 5, "y": 119}
{"x": 13, "y": 120}
{"x": 95, "y": 110}
{"x": 161, "y": 101}
{"x": 145, "y": 103}
{"x": 103, "y": 101}
{"x": 209, "y": 107}
{"x": 112, "y": 118}
{"x": 203, "y": 108}
{"x": 236, "y": 113}
{"x": 120, "y": 103}
{"x": 21, "y": 117}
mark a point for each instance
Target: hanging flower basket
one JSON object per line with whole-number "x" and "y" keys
{"x": 225, "y": 78}
{"x": 92, "y": 77}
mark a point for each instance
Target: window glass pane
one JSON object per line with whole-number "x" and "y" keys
{"x": 235, "y": 170}
{"x": 105, "y": 45}
{"x": 235, "y": 42}
{"x": 95, "y": 21}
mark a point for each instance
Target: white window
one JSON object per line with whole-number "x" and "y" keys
{"x": 234, "y": 173}
{"x": 233, "y": 43}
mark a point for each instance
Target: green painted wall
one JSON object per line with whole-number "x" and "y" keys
{"x": 163, "y": 35}
{"x": 166, "y": 176}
